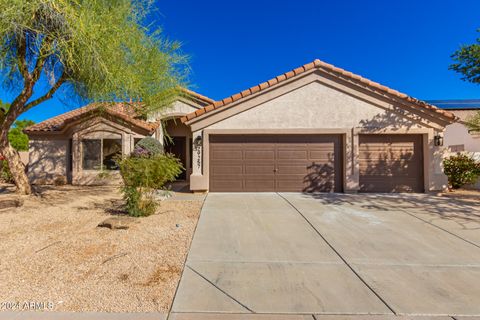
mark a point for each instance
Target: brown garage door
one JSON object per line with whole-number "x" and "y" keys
{"x": 299, "y": 163}
{"x": 391, "y": 163}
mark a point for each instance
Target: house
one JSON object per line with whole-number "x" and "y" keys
{"x": 457, "y": 136}
{"x": 317, "y": 128}
{"x": 76, "y": 146}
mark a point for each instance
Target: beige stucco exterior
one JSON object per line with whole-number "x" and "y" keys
{"x": 316, "y": 103}
{"x": 48, "y": 160}
{"x": 457, "y": 136}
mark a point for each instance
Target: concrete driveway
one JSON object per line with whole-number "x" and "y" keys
{"x": 292, "y": 253}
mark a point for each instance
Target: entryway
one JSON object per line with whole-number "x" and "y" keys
{"x": 178, "y": 143}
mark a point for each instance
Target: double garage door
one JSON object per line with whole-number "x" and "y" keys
{"x": 312, "y": 163}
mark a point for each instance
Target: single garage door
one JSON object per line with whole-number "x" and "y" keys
{"x": 391, "y": 163}
{"x": 297, "y": 163}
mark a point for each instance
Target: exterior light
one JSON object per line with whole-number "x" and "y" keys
{"x": 438, "y": 141}
{"x": 198, "y": 141}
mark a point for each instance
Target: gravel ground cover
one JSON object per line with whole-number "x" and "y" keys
{"x": 51, "y": 250}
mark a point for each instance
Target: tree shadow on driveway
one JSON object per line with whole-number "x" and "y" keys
{"x": 462, "y": 210}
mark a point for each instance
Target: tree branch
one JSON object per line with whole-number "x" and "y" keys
{"x": 48, "y": 95}
{"x": 40, "y": 60}
{"x": 21, "y": 56}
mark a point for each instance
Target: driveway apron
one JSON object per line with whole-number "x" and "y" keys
{"x": 254, "y": 253}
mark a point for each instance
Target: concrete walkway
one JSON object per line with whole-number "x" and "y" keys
{"x": 269, "y": 253}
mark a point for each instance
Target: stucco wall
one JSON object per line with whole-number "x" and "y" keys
{"x": 457, "y": 136}
{"x": 312, "y": 105}
{"x": 99, "y": 129}
{"x": 48, "y": 160}
{"x": 179, "y": 107}
{"x": 49, "y": 154}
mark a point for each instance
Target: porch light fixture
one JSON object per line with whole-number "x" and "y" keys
{"x": 438, "y": 140}
{"x": 198, "y": 141}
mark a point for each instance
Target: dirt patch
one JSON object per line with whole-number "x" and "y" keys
{"x": 463, "y": 195}
{"x": 51, "y": 250}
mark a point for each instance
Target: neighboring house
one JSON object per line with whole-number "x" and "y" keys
{"x": 457, "y": 136}
{"x": 76, "y": 146}
{"x": 317, "y": 128}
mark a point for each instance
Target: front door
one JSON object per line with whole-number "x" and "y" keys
{"x": 177, "y": 146}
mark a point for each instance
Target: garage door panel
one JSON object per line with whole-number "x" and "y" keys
{"x": 289, "y": 185}
{"x": 321, "y": 156}
{"x": 227, "y": 170}
{"x": 391, "y": 163}
{"x": 390, "y": 186}
{"x": 259, "y": 184}
{"x": 284, "y": 154}
{"x": 259, "y": 154}
{"x": 291, "y": 169}
{"x": 226, "y": 154}
{"x": 311, "y": 163}
{"x": 259, "y": 169}
{"x": 226, "y": 185}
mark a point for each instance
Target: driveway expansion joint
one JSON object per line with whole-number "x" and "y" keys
{"x": 338, "y": 254}
{"x": 221, "y": 290}
{"x": 440, "y": 228}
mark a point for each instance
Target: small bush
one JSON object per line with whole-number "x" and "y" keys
{"x": 142, "y": 176}
{"x": 148, "y": 147}
{"x": 60, "y": 181}
{"x": 5, "y": 174}
{"x": 461, "y": 169}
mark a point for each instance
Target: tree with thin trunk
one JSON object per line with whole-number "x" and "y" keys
{"x": 467, "y": 63}
{"x": 98, "y": 50}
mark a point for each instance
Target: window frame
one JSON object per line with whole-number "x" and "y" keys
{"x": 102, "y": 166}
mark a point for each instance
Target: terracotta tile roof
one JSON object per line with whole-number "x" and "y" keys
{"x": 197, "y": 96}
{"x": 318, "y": 64}
{"x": 124, "y": 111}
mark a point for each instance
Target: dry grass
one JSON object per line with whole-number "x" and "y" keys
{"x": 52, "y": 250}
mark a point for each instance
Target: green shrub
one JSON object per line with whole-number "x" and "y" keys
{"x": 461, "y": 169}
{"x": 148, "y": 147}
{"x": 5, "y": 174}
{"x": 142, "y": 176}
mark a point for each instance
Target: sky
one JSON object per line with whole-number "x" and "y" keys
{"x": 234, "y": 45}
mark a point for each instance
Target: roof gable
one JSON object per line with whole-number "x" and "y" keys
{"x": 123, "y": 111}
{"x": 331, "y": 70}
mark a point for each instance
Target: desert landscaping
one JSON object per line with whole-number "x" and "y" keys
{"x": 54, "y": 252}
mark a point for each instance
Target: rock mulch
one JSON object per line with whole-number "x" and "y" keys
{"x": 10, "y": 203}
{"x": 52, "y": 250}
{"x": 118, "y": 223}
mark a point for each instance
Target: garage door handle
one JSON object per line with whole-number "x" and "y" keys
{"x": 275, "y": 170}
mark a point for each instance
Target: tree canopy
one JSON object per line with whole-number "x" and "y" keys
{"x": 467, "y": 62}
{"x": 17, "y": 138}
{"x": 98, "y": 48}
